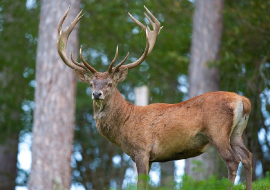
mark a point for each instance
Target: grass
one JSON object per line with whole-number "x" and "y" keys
{"x": 187, "y": 183}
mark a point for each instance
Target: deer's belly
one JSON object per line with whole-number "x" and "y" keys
{"x": 177, "y": 149}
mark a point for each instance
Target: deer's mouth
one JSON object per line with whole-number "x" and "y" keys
{"x": 99, "y": 103}
{"x": 98, "y": 99}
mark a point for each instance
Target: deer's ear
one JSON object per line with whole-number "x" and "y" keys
{"x": 120, "y": 75}
{"x": 83, "y": 77}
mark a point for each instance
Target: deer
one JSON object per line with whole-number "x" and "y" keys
{"x": 162, "y": 132}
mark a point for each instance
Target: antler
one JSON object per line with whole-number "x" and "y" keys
{"x": 111, "y": 69}
{"x": 84, "y": 67}
{"x": 62, "y": 44}
{"x": 151, "y": 36}
{"x": 150, "y": 42}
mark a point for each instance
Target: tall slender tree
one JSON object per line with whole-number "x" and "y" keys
{"x": 54, "y": 101}
{"x": 203, "y": 75}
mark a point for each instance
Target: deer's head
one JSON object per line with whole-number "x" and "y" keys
{"x": 102, "y": 84}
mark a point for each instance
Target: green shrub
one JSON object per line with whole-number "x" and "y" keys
{"x": 212, "y": 183}
{"x": 262, "y": 184}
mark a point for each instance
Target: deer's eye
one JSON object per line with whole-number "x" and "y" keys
{"x": 91, "y": 85}
{"x": 109, "y": 84}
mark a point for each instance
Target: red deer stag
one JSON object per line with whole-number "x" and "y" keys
{"x": 162, "y": 132}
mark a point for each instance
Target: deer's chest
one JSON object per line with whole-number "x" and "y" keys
{"x": 104, "y": 128}
{"x": 108, "y": 130}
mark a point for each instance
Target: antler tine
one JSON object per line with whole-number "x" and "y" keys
{"x": 113, "y": 61}
{"x": 86, "y": 64}
{"x": 137, "y": 22}
{"x": 142, "y": 58}
{"x": 115, "y": 69}
{"x": 156, "y": 29}
{"x": 62, "y": 42}
{"x": 149, "y": 19}
{"x": 154, "y": 18}
{"x": 76, "y": 63}
{"x": 151, "y": 15}
{"x": 62, "y": 20}
{"x": 151, "y": 36}
{"x": 73, "y": 24}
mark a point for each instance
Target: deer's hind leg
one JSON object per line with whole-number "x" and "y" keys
{"x": 241, "y": 151}
{"x": 221, "y": 141}
{"x": 228, "y": 155}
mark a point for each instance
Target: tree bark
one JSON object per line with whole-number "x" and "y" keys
{"x": 203, "y": 76}
{"x": 167, "y": 174}
{"x": 54, "y": 101}
{"x": 8, "y": 163}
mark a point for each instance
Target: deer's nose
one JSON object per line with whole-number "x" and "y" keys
{"x": 97, "y": 94}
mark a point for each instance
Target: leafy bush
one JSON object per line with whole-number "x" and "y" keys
{"x": 262, "y": 184}
{"x": 212, "y": 183}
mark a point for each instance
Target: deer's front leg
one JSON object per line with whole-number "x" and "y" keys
{"x": 143, "y": 168}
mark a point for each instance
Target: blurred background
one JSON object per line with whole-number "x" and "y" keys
{"x": 242, "y": 62}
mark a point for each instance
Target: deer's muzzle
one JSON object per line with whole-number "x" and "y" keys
{"x": 97, "y": 95}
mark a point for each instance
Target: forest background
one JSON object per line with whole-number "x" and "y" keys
{"x": 243, "y": 65}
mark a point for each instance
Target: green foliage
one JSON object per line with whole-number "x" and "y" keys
{"x": 18, "y": 40}
{"x": 188, "y": 183}
{"x": 197, "y": 166}
{"x": 18, "y": 34}
{"x": 212, "y": 183}
{"x": 262, "y": 184}
{"x": 245, "y": 43}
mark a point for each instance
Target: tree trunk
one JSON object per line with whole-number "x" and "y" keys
{"x": 167, "y": 174}
{"x": 54, "y": 101}
{"x": 8, "y": 163}
{"x": 204, "y": 77}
